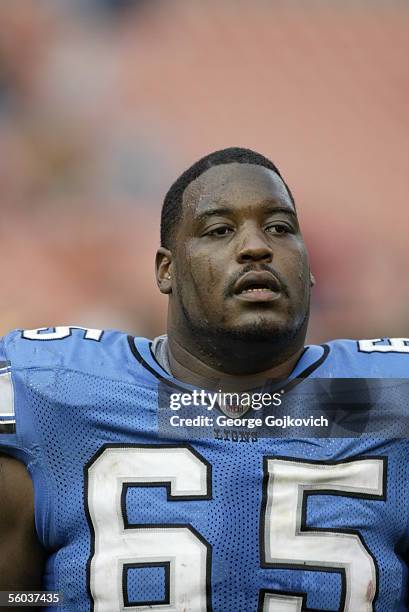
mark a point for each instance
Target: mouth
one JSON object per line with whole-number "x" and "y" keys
{"x": 257, "y": 287}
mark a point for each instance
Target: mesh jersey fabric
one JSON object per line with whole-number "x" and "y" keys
{"x": 75, "y": 398}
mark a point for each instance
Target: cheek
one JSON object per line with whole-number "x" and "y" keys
{"x": 298, "y": 260}
{"x": 305, "y": 284}
{"x": 298, "y": 275}
{"x": 303, "y": 271}
{"x": 205, "y": 271}
{"x": 198, "y": 279}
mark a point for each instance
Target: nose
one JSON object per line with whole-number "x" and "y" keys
{"x": 254, "y": 246}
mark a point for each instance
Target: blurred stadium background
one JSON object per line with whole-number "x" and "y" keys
{"x": 104, "y": 103}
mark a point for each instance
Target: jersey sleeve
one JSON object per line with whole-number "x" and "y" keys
{"x": 36, "y": 369}
{"x": 11, "y": 430}
{"x": 7, "y": 410}
{"x": 18, "y": 432}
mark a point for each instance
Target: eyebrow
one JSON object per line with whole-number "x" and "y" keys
{"x": 271, "y": 209}
{"x": 221, "y": 211}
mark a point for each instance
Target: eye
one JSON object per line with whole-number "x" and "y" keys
{"x": 220, "y": 231}
{"x": 279, "y": 228}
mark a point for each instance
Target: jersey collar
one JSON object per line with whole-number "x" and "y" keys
{"x": 311, "y": 359}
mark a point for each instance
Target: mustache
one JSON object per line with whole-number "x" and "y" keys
{"x": 229, "y": 291}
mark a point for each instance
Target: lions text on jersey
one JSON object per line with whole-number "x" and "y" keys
{"x": 134, "y": 521}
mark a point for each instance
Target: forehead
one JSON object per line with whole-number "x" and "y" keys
{"x": 236, "y": 185}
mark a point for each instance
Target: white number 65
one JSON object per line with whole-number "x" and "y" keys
{"x": 286, "y": 540}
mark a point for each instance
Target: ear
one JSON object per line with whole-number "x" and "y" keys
{"x": 312, "y": 280}
{"x": 163, "y": 267}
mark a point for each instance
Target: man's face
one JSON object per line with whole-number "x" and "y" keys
{"x": 240, "y": 262}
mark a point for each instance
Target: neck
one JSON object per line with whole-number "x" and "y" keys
{"x": 238, "y": 366}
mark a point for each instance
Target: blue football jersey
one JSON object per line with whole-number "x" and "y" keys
{"x": 133, "y": 518}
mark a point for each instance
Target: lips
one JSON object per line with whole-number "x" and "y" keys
{"x": 257, "y": 286}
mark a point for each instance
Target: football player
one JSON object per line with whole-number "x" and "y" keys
{"x": 104, "y": 501}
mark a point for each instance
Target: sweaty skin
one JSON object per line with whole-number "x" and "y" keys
{"x": 237, "y": 219}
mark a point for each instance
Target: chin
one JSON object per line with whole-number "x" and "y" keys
{"x": 251, "y": 329}
{"x": 263, "y": 330}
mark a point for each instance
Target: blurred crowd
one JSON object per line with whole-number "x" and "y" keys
{"x": 104, "y": 102}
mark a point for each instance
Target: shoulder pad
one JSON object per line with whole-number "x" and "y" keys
{"x": 371, "y": 358}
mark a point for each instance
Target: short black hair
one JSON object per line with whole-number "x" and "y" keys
{"x": 172, "y": 204}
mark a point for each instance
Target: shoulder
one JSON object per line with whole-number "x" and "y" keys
{"x": 65, "y": 364}
{"x": 66, "y": 347}
{"x": 376, "y": 357}
{"x": 46, "y": 347}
